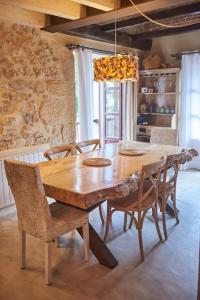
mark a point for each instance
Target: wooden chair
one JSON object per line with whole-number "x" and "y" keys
{"x": 141, "y": 201}
{"x": 96, "y": 143}
{"x": 36, "y": 217}
{"x": 67, "y": 149}
{"x": 189, "y": 154}
{"x": 55, "y": 152}
{"x": 164, "y": 136}
{"x": 167, "y": 185}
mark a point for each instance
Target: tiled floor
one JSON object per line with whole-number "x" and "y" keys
{"x": 168, "y": 273}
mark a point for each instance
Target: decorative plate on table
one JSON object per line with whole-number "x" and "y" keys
{"x": 97, "y": 162}
{"x": 132, "y": 152}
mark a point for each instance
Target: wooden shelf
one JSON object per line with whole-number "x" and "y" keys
{"x": 159, "y": 71}
{"x": 143, "y": 135}
{"x": 150, "y": 126}
{"x": 164, "y": 94}
{"x": 157, "y": 114}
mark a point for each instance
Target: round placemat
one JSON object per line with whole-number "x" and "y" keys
{"x": 132, "y": 152}
{"x": 97, "y": 162}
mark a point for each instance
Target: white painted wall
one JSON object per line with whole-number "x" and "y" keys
{"x": 177, "y": 43}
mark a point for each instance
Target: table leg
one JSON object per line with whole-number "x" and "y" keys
{"x": 99, "y": 249}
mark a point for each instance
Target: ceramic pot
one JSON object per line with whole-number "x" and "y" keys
{"x": 167, "y": 110}
{"x": 172, "y": 110}
{"x": 162, "y": 110}
{"x": 143, "y": 108}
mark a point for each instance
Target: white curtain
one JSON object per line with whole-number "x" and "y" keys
{"x": 84, "y": 90}
{"x": 190, "y": 105}
{"x": 128, "y": 111}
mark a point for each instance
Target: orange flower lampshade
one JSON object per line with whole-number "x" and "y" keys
{"x": 116, "y": 68}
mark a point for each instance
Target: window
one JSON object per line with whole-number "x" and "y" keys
{"x": 104, "y": 102}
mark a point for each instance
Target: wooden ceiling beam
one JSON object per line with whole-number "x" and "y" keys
{"x": 22, "y": 16}
{"x": 123, "y": 39}
{"x": 165, "y": 32}
{"x": 168, "y": 13}
{"x": 60, "y": 8}
{"x": 104, "y": 5}
{"x": 148, "y": 7}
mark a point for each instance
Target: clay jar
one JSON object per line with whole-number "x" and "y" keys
{"x": 143, "y": 108}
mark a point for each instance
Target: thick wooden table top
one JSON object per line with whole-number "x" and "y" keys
{"x": 71, "y": 182}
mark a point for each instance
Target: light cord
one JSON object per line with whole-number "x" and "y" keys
{"x": 153, "y": 21}
{"x": 115, "y": 29}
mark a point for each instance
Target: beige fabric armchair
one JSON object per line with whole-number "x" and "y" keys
{"x": 36, "y": 217}
{"x": 164, "y": 136}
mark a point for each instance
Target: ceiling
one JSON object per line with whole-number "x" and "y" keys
{"x": 133, "y": 30}
{"x": 66, "y": 10}
{"x": 94, "y": 19}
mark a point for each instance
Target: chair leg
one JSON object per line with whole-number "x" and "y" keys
{"x": 108, "y": 220}
{"x": 155, "y": 214}
{"x": 164, "y": 218}
{"x": 101, "y": 214}
{"x": 22, "y": 248}
{"x": 86, "y": 241}
{"x": 125, "y": 220}
{"x": 131, "y": 221}
{"x": 47, "y": 252}
{"x": 57, "y": 242}
{"x": 173, "y": 197}
{"x": 140, "y": 236}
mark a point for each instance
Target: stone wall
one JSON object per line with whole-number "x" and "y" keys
{"x": 37, "y": 96}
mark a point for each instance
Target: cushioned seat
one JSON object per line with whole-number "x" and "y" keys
{"x": 65, "y": 218}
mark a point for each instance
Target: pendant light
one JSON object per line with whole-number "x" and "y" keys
{"x": 120, "y": 67}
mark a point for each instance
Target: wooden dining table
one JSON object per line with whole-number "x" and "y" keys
{"x": 71, "y": 182}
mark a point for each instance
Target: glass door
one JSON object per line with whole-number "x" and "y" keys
{"x": 112, "y": 112}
